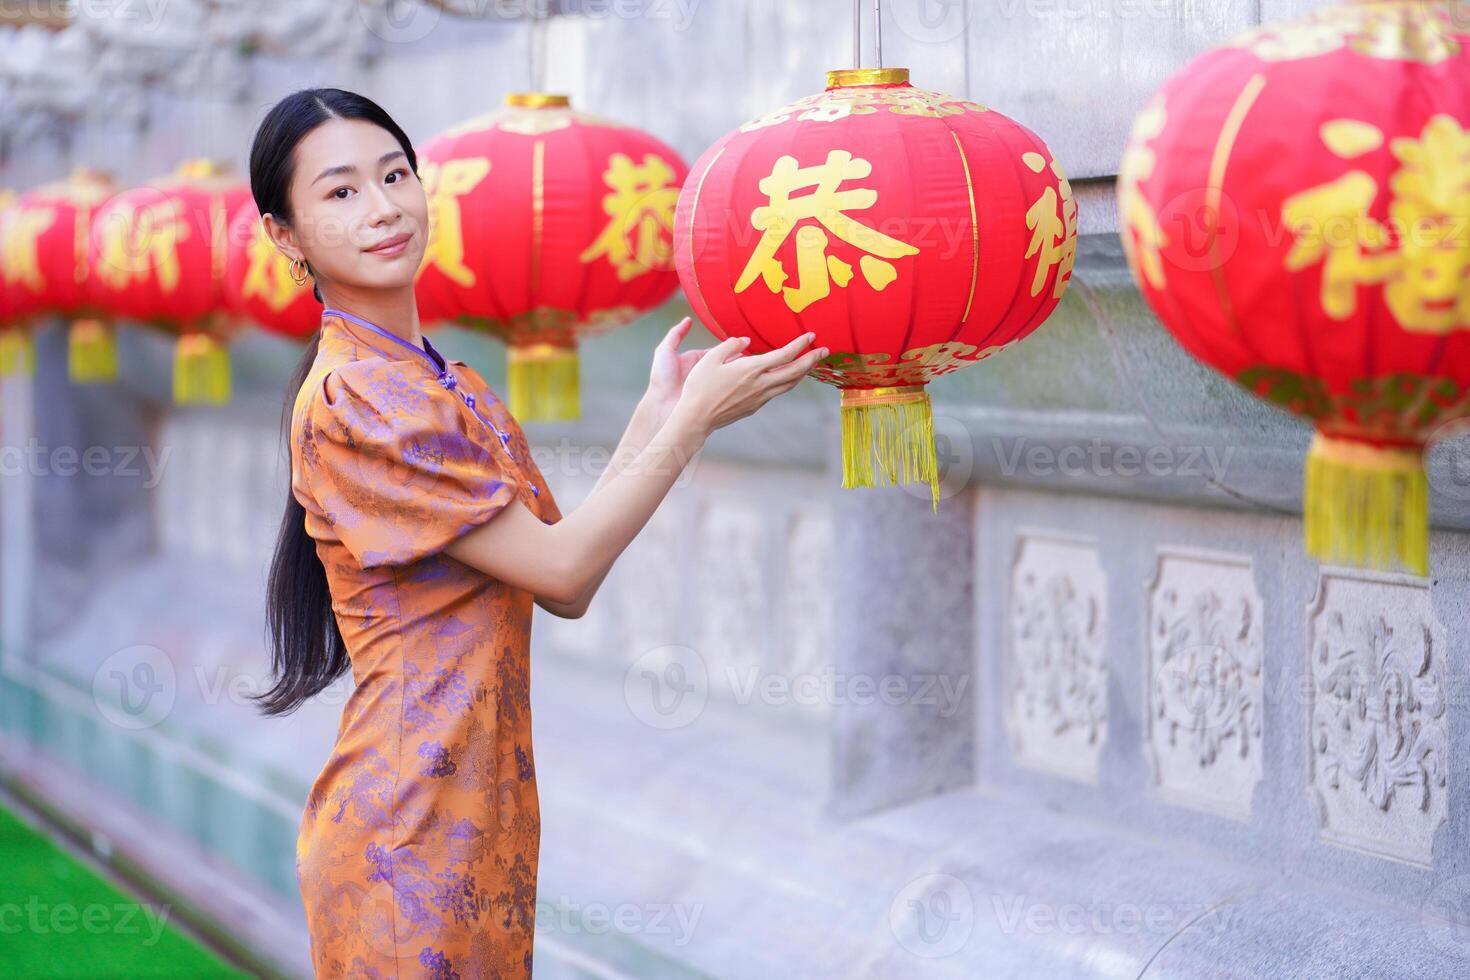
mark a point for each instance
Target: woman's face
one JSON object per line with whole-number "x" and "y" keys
{"x": 360, "y": 214}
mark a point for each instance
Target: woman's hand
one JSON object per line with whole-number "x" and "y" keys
{"x": 670, "y": 369}
{"x": 725, "y": 385}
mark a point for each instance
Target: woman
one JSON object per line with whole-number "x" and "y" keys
{"x": 417, "y": 852}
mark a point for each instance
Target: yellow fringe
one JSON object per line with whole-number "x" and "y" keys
{"x": 1366, "y": 505}
{"x": 91, "y": 352}
{"x": 545, "y": 383}
{"x": 201, "y": 371}
{"x": 17, "y": 353}
{"x": 888, "y": 438}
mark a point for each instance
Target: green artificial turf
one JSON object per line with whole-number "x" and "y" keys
{"x": 58, "y": 918}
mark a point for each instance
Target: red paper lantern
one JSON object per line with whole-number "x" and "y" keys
{"x": 914, "y": 233}
{"x": 46, "y": 250}
{"x": 258, "y": 282}
{"x": 1295, "y": 209}
{"x": 158, "y": 254}
{"x": 547, "y": 226}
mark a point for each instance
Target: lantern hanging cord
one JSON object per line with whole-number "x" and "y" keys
{"x": 877, "y": 33}
{"x": 536, "y": 59}
{"x": 857, "y": 33}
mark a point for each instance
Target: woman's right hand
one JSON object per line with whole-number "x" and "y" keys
{"x": 726, "y": 384}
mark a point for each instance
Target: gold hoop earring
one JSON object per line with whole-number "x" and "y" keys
{"x": 299, "y": 279}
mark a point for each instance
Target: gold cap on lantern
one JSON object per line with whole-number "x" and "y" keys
{"x": 537, "y": 100}
{"x": 200, "y": 167}
{"x": 849, "y": 77}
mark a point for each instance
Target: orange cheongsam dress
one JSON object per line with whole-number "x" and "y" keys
{"x": 418, "y": 847}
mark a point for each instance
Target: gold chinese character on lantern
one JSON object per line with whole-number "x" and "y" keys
{"x": 269, "y": 274}
{"x": 1411, "y": 32}
{"x": 147, "y": 240}
{"x": 825, "y": 210}
{"x": 1052, "y": 219}
{"x": 1430, "y": 206}
{"x": 21, "y": 261}
{"x": 1420, "y": 255}
{"x": 445, "y": 185}
{"x": 639, "y": 237}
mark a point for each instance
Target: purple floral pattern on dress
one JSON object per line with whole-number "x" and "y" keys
{"x": 419, "y": 844}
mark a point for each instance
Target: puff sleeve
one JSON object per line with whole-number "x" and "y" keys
{"x": 396, "y": 466}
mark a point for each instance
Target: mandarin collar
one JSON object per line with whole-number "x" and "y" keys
{"x": 402, "y": 350}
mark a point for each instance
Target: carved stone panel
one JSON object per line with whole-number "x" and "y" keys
{"x": 1056, "y": 669}
{"x": 1205, "y": 681}
{"x": 1377, "y": 721}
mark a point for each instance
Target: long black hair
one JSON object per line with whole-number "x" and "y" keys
{"x": 307, "y": 650}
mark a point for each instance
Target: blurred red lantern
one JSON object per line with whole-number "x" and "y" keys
{"x": 46, "y": 259}
{"x": 547, "y": 226}
{"x": 158, "y": 254}
{"x": 914, "y": 233}
{"x": 17, "y": 351}
{"x": 1295, "y": 209}
{"x": 258, "y": 282}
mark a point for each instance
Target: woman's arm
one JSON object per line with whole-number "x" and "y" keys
{"x": 665, "y": 383}
{"x": 562, "y": 561}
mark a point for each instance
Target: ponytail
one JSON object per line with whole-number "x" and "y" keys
{"x": 307, "y": 650}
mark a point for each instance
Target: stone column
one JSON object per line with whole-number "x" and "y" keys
{"x": 903, "y": 721}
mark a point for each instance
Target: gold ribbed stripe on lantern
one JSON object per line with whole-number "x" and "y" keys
{"x": 17, "y": 353}
{"x": 91, "y": 351}
{"x": 545, "y": 383}
{"x": 201, "y": 370}
{"x": 888, "y": 438}
{"x": 1366, "y": 505}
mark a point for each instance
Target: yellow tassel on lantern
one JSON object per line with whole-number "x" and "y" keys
{"x": 91, "y": 351}
{"x": 17, "y": 353}
{"x": 888, "y": 438}
{"x": 1367, "y": 505}
{"x": 201, "y": 370}
{"x": 544, "y": 383}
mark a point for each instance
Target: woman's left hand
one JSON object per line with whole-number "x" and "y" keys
{"x": 670, "y": 368}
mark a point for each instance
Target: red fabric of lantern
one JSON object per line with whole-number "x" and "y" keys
{"x": 547, "y": 225}
{"x": 913, "y": 232}
{"x": 1295, "y": 209}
